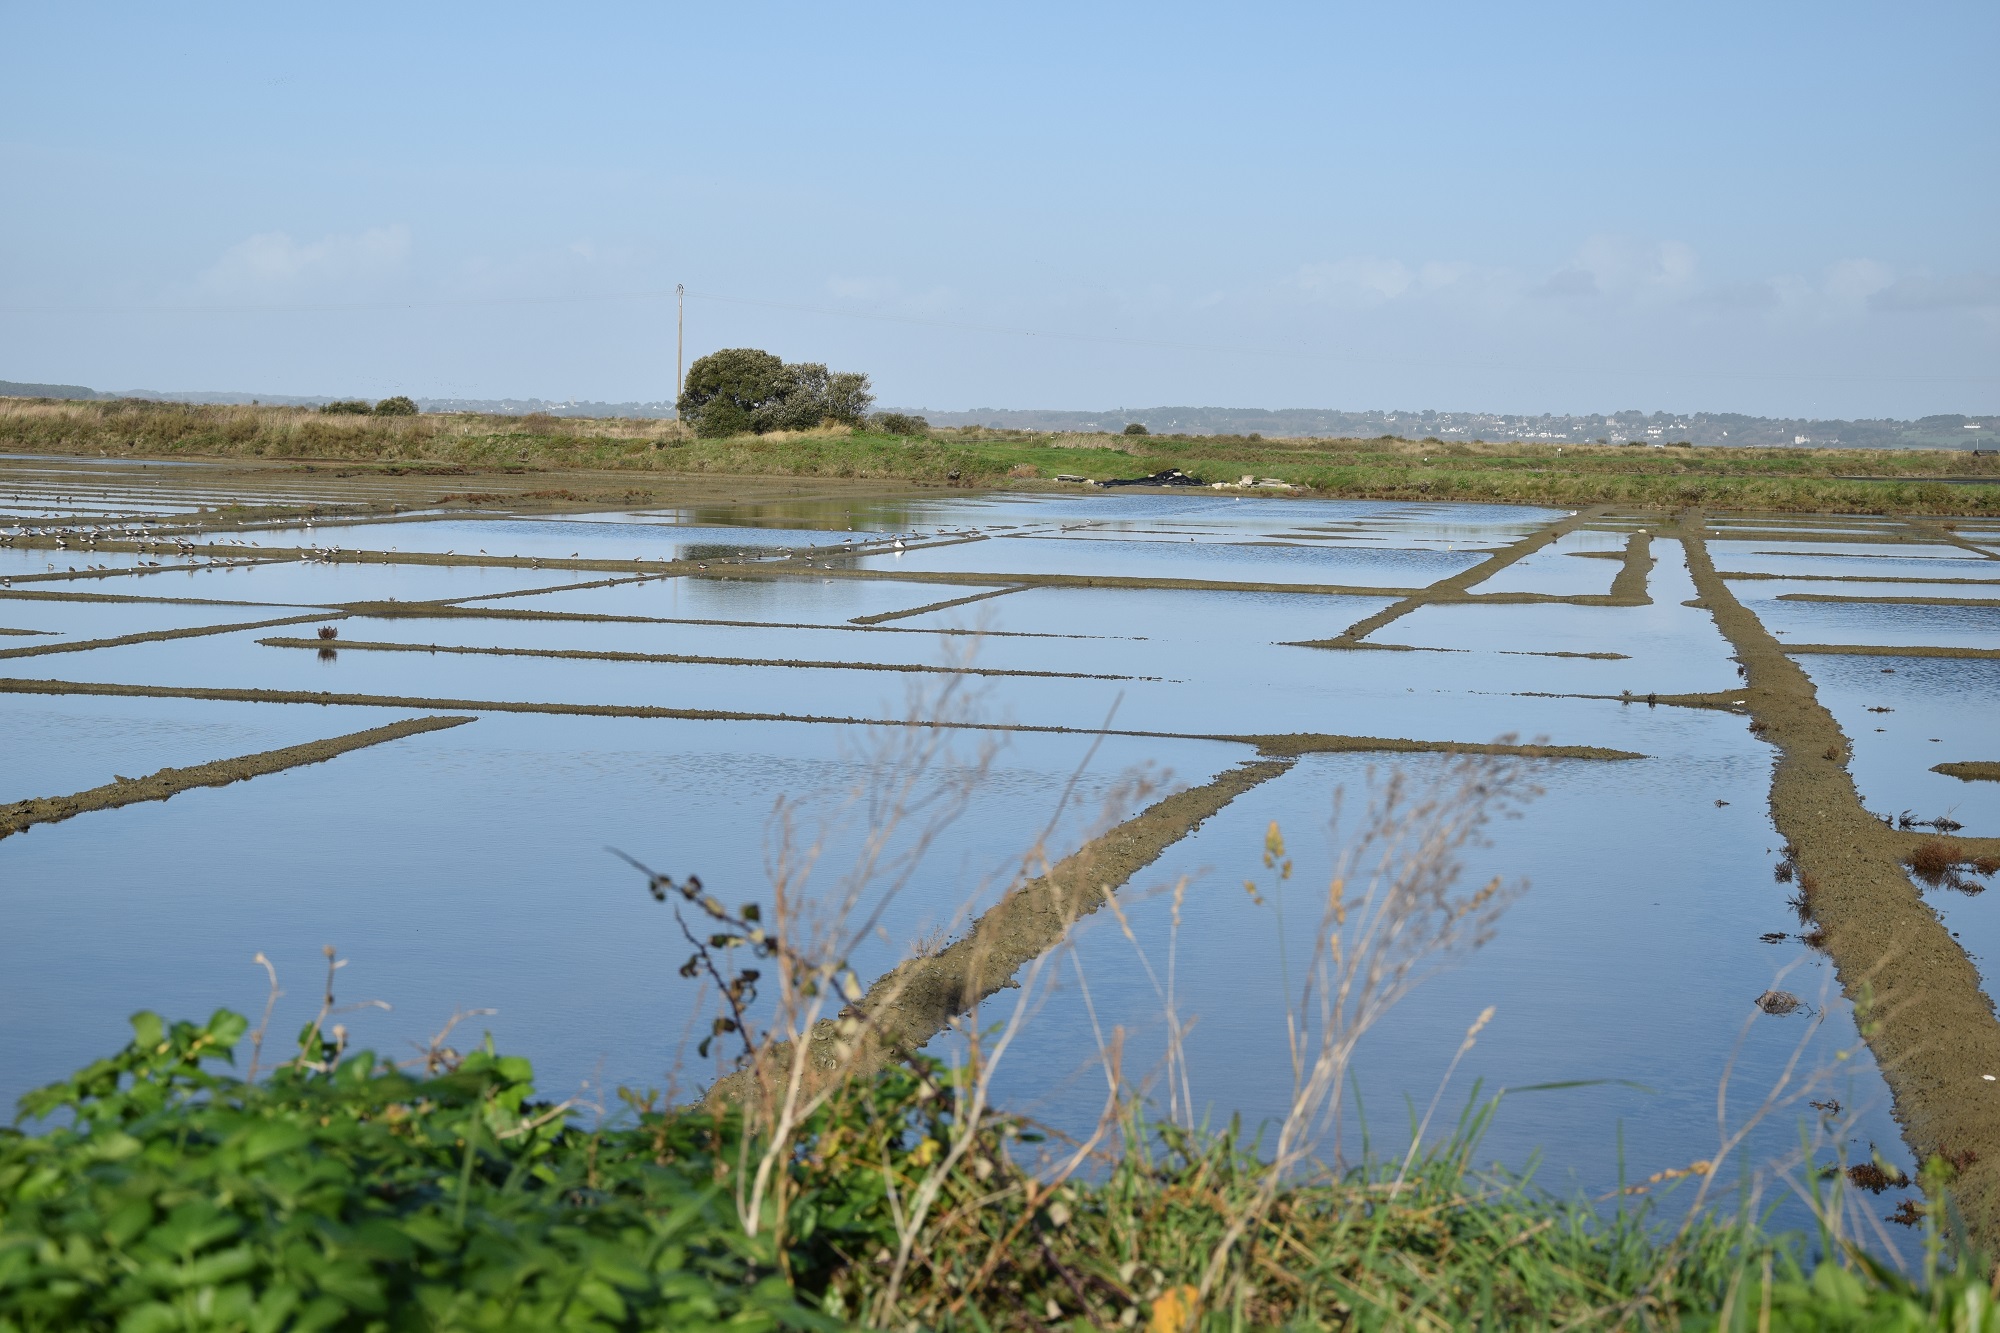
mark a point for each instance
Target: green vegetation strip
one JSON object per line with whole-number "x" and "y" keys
{"x": 1917, "y": 996}
{"x": 155, "y": 636}
{"x": 681, "y": 659}
{"x": 525, "y": 455}
{"x": 170, "y": 781}
{"x": 338, "y": 1191}
{"x": 1975, "y": 771}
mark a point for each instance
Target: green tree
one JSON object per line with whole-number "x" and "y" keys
{"x": 399, "y": 406}
{"x": 356, "y": 407}
{"x": 725, "y": 390}
{"x": 1135, "y": 428}
{"x": 848, "y": 397}
{"x": 744, "y": 389}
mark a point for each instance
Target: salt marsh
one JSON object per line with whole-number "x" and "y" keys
{"x": 662, "y": 680}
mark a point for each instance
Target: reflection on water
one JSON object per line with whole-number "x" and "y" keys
{"x": 467, "y": 868}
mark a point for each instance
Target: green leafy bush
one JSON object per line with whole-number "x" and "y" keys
{"x": 349, "y": 407}
{"x": 900, "y": 423}
{"x": 399, "y": 406}
{"x": 341, "y": 1193}
{"x": 744, "y": 390}
{"x": 360, "y": 1198}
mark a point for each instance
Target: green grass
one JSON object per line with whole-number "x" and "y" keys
{"x": 1795, "y": 480}
{"x": 340, "y": 1193}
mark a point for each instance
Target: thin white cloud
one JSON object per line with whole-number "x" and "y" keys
{"x": 1610, "y": 273}
{"x": 1369, "y": 280}
{"x": 1851, "y": 282}
{"x": 890, "y": 293}
{"x": 1649, "y": 271}
{"x": 273, "y": 263}
{"x": 1958, "y": 291}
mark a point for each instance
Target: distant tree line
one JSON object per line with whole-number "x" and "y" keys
{"x": 745, "y": 391}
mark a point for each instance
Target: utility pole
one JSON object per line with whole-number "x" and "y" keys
{"x": 680, "y": 342}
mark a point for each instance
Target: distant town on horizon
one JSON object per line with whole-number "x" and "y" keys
{"x": 1943, "y": 431}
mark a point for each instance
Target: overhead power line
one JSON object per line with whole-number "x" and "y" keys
{"x": 968, "y": 326}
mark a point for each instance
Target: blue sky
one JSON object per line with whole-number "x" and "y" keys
{"x": 1776, "y": 208}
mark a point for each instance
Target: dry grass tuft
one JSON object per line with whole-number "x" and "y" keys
{"x": 1933, "y": 859}
{"x": 1941, "y": 863}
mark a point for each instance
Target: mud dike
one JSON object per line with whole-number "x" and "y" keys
{"x": 1918, "y": 997}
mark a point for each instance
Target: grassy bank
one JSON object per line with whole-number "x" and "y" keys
{"x": 340, "y": 1193}
{"x": 1804, "y": 480}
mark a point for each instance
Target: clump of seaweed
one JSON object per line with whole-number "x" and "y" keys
{"x": 1941, "y": 863}
{"x": 1871, "y": 1177}
{"x": 1778, "y": 1002}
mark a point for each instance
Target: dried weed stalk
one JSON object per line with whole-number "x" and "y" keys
{"x": 1394, "y": 913}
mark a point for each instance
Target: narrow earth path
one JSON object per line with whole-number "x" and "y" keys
{"x": 1918, "y": 998}
{"x": 169, "y": 781}
{"x": 915, "y": 1001}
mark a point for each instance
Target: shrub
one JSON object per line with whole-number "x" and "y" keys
{"x": 399, "y": 406}
{"x": 351, "y": 407}
{"x": 345, "y": 1194}
{"x": 748, "y": 389}
{"x": 1136, "y": 428}
{"x": 899, "y": 423}
{"x": 721, "y": 419}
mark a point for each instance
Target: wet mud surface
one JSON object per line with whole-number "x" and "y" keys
{"x": 684, "y": 659}
{"x": 168, "y": 782}
{"x": 1201, "y": 660}
{"x": 1885, "y": 650}
{"x": 911, "y": 1004}
{"x": 1628, "y": 587}
{"x": 156, "y": 636}
{"x": 1932, "y": 1028}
